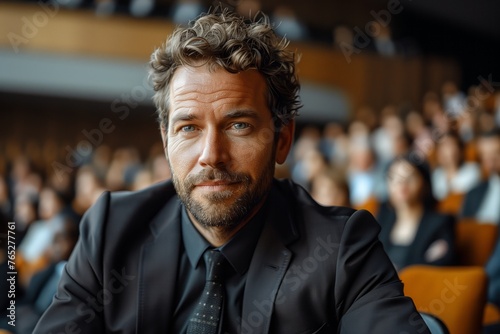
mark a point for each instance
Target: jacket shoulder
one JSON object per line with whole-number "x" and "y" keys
{"x": 153, "y": 195}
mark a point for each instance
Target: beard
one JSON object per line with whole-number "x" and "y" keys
{"x": 224, "y": 209}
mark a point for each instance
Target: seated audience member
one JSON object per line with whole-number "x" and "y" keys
{"x": 335, "y": 144}
{"x": 453, "y": 99}
{"x": 453, "y": 175}
{"x": 33, "y": 249}
{"x": 4, "y": 269}
{"x": 420, "y": 132}
{"x": 6, "y": 207}
{"x": 412, "y": 231}
{"x": 25, "y": 214}
{"x": 493, "y": 271}
{"x": 88, "y": 187}
{"x": 43, "y": 285}
{"x": 308, "y": 140}
{"x": 481, "y": 203}
{"x": 384, "y": 137}
{"x": 363, "y": 172}
{"x": 328, "y": 188}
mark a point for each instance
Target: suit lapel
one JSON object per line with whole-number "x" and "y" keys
{"x": 268, "y": 266}
{"x": 158, "y": 272}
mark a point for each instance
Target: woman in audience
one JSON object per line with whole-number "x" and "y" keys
{"x": 453, "y": 175}
{"x": 412, "y": 231}
{"x": 329, "y": 188}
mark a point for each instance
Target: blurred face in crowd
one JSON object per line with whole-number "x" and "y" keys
{"x": 221, "y": 144}
{"x": 50, "y": 204}
{"x": 405, "y": 184}
{"x": 489, "y": 150}
{"x": 327, "y": 192}
{"x": 448, "y": 152}
{"x": 314, "y": 162}
{"x": 24, "y": 211}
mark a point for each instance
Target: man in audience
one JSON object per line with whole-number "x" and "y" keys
{"x": 223, "y": 247}
{"x": 481, "y": 203}
{"x": 43, "y": 285}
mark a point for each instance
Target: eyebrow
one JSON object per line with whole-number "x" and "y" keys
{"x": 183, "y": 117}
{"x": 241, "y": 114}
{"x": 229, "y": 115}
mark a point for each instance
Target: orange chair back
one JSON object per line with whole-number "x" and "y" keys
{"x": 371, "y": 205}
{"x": 451, "y": 204}
{"x": 491, "y": 314}
{"x": 456, "y": 295}
{"x": 475, "y": 242}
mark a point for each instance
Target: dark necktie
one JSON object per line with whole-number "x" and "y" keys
{"x": 207, "y": 314}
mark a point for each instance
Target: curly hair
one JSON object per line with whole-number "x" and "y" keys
{"x": 226, "y": 40}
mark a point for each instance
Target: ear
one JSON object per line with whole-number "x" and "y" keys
{"x": 285, "y": 140}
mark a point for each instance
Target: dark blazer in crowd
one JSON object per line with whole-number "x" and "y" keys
{"x": 473, "y": 200}
{"x": 314, "y": 270}
{"x": 38, "y": 297}
{"x": 433, "y": 226}
{"x": 493, "y": 271}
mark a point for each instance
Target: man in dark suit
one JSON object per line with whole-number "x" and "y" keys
{"x": 481, "y": 202}
{"x": 225, "y": 248}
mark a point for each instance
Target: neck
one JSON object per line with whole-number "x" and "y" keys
{"x": 218, "y": 236}
{"x": 409, "y": 211}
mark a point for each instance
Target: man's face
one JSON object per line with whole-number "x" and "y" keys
{"x": 220, "y": 143}
{"x": 489, "y": 150}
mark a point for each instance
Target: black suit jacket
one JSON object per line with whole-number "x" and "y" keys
{"x": 473, "y": 200}
{"x": 433, "y": 226}
{"x": 314, "y": 270}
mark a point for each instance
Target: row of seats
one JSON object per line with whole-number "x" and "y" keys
{"x": 455, "y": 295}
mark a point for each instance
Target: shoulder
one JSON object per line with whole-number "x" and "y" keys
{"x": 480, "y": 188}
{"x": 150, "y": 196}
{"x": 117, "y": 209}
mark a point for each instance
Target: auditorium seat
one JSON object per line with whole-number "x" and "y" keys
{"x": 474, "y": 242}
{"x": 371, "y": 205}
{"x": 456, "y": 295}
{"x": 491, "y": 314}
{"x": 451, "y": 204}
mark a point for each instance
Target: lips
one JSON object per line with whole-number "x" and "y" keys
{"x": 215, "y": 183}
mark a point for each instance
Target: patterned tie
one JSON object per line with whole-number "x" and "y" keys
{"x": 206, "y": 316}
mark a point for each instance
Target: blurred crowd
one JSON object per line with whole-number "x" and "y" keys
{"x": 344, "y": 37}
{"x": 419, "y": 171}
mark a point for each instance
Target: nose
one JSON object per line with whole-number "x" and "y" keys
{"x": 215, "y": 149}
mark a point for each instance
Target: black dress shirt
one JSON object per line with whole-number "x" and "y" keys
{"x": 191, "y": 274}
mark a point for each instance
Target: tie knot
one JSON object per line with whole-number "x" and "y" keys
{"x": 214, "y": 262}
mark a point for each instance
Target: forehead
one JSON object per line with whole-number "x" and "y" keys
{"x": 402, "y": 168}
{"x": 205, "y": 85}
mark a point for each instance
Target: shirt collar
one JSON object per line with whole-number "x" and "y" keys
{"x": 238, "y": 251}
{"x": 194, "y": 243}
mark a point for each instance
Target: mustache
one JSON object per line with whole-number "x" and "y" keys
{"x": 215, "y": 175}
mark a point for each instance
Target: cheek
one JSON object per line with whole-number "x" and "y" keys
{"x": 250, "y": 155}
{"x": 179, "y": 156}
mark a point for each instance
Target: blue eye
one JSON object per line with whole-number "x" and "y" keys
{"x": 240, "y": 126}
{"x": 187, "y": 128}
